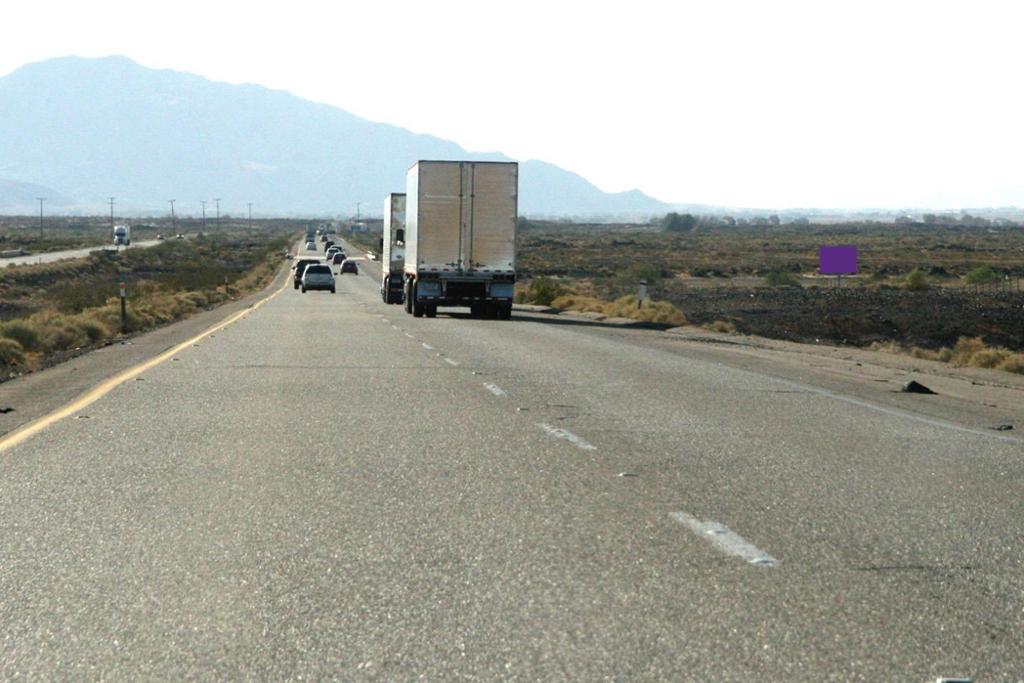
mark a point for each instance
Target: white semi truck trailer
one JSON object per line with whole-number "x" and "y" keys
{"x": 122, "y": 235}
{"x": 460, "y": 237}
{"x": 392, "y": 247}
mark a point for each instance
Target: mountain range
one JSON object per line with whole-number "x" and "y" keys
{"x": 93, "y": 128}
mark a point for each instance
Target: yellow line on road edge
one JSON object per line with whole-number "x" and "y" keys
{"x": 30, "y": 429}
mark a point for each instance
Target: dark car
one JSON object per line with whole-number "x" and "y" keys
{"x": 338, "y": 258}
{"x": 328, "y": 244}
{"x": 349, "y": 266}
{"x": 300, "y": 268}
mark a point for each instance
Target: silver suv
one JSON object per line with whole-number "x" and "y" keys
{"x": 318, "y": 276}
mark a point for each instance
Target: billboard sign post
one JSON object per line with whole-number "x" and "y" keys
{"x": 838, "y": 260}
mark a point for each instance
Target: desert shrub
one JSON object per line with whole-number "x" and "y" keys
{"x": 888, "y": 347}
{"x": 781, "y": 278}
{"x": 78, "y": 296}
{"x": 198, "y": 299}
{"x": 966, "y": 347}
{"x": 94, "y": 330}
{"x": 918, "y": 352}
{"x": 989, "y": 358}
{"x": 61, "y": 335}
{"x": 544, "y": 290}
{"x": 661, "y": 312}
{"x": 917, "y": 280}
{"x": 982, "y": 275}
{"x": 1014, "y": 363}
{"x": 722, "y": 326}
{"x": 11, "y": 352}
{"x": 23, "y": 332}
{"x": 575, "y": 302}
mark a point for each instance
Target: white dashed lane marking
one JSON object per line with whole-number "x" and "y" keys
{"x": 565, "y": 434}
{"x": 495, "y": 389}
{"x": 726, "y": 540}
{"x": 449, "y": 361}
{"x": 427, "y": 346}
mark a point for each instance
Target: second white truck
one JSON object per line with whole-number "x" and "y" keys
{"x": 460, "y": 237}
{"x": 392, "y": 246}
{"x": 122, "y": 235}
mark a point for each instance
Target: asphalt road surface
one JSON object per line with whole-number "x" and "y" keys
{"x": 51, "y": 256}
{"x": 330, "y": 488}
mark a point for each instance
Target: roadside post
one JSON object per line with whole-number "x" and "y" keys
{"x": 124, "y": 310}
{"x": 641, "y": 293}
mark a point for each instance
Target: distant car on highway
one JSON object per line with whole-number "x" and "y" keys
{"x": 331, "y": 251}
{"x": 338, "y": 258}
{"x": 318, "y": 276}
{"x": 310, "y": 246}
{"x": 300, "y": 268}
{"x": 349, "y": 266}
{"x": 179, "y": 236}
{"x": 159, "y": 237}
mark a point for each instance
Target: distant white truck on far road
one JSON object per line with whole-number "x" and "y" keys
{"x": 392, "y": 248}
{"x": 122, "y": 235}
{"x": 460, "y": 237}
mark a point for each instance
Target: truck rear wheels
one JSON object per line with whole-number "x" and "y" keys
{"x": 411, "y": 304}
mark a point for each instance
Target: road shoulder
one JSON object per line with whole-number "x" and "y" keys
{"x": 37, "y": 394}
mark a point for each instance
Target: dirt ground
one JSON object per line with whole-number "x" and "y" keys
{"x": 858, "y": 316}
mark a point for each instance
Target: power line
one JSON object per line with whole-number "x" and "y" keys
{"x": 41, "y": 200}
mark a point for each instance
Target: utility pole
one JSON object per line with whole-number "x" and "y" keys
{"x": 41, "y": 200}
{"x": 358, "y": 206}
{"x": 250, "y": 215}
{"x": 203, "y": 202}
{"x": 218, "y": 212}
{"x": 174, "y": 228}
{"x": 110, "y": 200}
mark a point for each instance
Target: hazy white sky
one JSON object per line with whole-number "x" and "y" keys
{"x": 761, "y": 103}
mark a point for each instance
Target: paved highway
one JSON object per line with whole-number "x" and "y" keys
{"x": 50, "y": 257}
{"x": 329, "y": 487}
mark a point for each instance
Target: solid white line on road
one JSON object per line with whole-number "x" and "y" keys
{"x": 449, "y": 361}
{"x": 726, "y": 540}
{"x": 409, "y": 335}
{"x": 427, "y": 346}
{"x": 560, "y": 433}
{"x": 495, "y": 389}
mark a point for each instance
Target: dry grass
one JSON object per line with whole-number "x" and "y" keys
{"x": 967, "y": 352}
{"x": 25, "y": 341}
{"x": 722, "y": 326}
{"x": 660, "y": 312}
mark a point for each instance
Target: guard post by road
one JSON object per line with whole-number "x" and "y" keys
{"x": 124, "y": 310}
{"x": 641, "y": 293}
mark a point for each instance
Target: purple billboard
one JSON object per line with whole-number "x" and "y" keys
{"x": 838, "y": 260}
